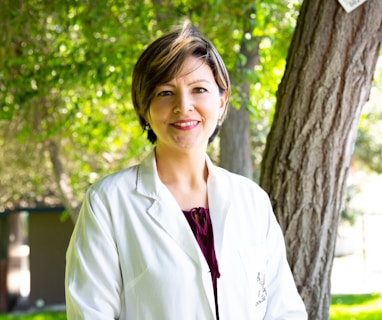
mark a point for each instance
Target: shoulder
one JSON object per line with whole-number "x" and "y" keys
{"x": 126, "y": 178}
{"x": 123, "y": 179}
{"x": 249, "y": 204}
{"x": 238, "y": 182}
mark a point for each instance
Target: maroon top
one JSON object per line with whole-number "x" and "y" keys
{"x": 200, "y": 222}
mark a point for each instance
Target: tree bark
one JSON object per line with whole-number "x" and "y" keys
{"x": 328, "y": 77}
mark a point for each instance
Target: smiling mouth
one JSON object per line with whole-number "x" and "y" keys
{"x": 186, "y": 124}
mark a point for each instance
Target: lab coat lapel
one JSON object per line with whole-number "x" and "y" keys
{"x": 166, "y": 211}
{"x": 219, "y": 202}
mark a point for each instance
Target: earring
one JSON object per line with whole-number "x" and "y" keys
{"x": 147, "y": 126}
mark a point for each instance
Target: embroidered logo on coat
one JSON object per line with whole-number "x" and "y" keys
{"x": 261, "y": 291}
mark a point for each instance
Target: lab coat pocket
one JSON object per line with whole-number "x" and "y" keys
{"x": 254, "y": 262}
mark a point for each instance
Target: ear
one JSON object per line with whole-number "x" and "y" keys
{"x": 223, "y": 104}
{"x": 147, "y": 117}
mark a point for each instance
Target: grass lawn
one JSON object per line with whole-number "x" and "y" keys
{"x": 356, "y": 307}
{"x": 36, "y": 316}
{"x": 344, "y": 307}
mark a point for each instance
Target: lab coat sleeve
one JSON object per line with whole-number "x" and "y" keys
{"x": 284, "y": 301}
{"x": 93, "y": 277}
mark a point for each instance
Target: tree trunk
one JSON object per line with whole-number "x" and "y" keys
{"x": 327, "y": 80}
{"x": 235, "y": 144}
{"x": 235, "y": 153}
{"x": 66, "y": 191}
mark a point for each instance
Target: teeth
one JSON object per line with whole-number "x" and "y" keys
{"x": 186, "y": 124}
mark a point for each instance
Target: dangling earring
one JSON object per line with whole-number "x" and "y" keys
{"x": 147, "y": 126}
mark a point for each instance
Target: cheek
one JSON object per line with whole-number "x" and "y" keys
{"x": 153, "y": 112}
{"x": 157, "y": 115}
{"x": 217, "y": 111}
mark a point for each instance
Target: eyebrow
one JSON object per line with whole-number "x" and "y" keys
{"x": 189, "y": 83}
{"x": 198, "y": 80}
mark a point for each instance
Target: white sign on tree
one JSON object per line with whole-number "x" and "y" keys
{"x": 350, "y": 5}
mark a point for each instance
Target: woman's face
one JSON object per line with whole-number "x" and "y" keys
{"x": 185, "y": 111}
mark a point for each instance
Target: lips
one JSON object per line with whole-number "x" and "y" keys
{"x": 186, "y": 124}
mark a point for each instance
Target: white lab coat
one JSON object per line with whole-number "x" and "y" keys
{"x": 133, "y": 255}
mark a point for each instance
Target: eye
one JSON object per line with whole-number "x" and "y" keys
{"x": 200, "y": 90}
{"x": 164, "y": 93}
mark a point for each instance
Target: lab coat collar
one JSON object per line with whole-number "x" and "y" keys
{"x": 166, "y": 211}
{"x": 219, "y": 202}
{"x": 149, "y": 184}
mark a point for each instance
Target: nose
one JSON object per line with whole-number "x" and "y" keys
{"x": 183, "y": 102}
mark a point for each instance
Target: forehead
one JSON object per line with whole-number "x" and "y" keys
{"x": 195, "y": 67}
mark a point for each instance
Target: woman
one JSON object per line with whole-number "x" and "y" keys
{"x": 176, "y": 237}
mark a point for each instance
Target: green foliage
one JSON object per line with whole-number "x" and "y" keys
{"x": 276, "y": 30}
{"x": 368, "y": 151}
{"x": 349, "y": 214}
{"x": 65, "y": 75}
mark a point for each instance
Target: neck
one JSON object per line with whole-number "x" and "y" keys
{"x": 185, "y": 175}
{"x": 181, "y": 167}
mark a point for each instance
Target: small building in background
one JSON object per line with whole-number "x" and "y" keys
{"x": 33, "y": 244}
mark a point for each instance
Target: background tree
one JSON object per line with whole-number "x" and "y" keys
{"x": 368, "y": 151}
{"x": 65, "y": 89}
{"x": 327, "y": 80}
{"x": 264, "y": 38}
